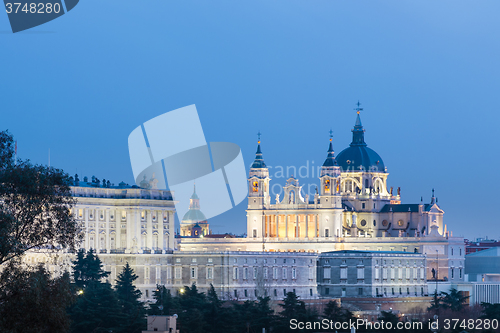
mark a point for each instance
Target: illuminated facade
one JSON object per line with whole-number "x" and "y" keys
{"x": 352, "y": 210}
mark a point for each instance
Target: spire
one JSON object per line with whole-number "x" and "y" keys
{"x": 433, "y": 199}
{"x": 358, "y": 133}
{"x": 259, "y": 161}
{"x": 194, "y": 196}
{"x": 330, "y": 159}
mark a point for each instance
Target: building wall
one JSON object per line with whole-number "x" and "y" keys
{"x": 125, "y": 220}
{"x": 371, "y": 274}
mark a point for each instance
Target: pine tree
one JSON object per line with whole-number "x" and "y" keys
{"x": 97, "y": 310}
{"x": 87, "y": 269}
{"x": 164, "y": 304}
{"x": 128, "y": 299}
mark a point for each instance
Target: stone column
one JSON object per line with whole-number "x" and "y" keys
{"x": 160, "y": 229}
{"x": 286, "y": 225}
{"x": 297, "y": 235}
{"x": 307, "y": 226}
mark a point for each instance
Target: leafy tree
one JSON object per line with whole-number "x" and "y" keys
{"x": 453, "y": 300}
{"x": 32, "y": 301}
{"x": 128, "y": 299}
{"x": 35, "y": 203}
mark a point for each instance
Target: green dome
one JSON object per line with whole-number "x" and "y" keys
{"x": 194, "y": 215}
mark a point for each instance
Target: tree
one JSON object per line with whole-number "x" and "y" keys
{"x": 436, "y": 303}
{"x": 35, "y": 204}
{"x": 32, "y": 301}
{"x": 128, "y": 299}
{"x": 388, "y": 317}
{"x": 453, "y": 300}
{"x": 193, "y": 305}
{"x": 164, "y": 304}
{"x": 87, "y": 269}
{"x": 491, "y": 311}
{"x": 293, "y": 308}
{"x": 336, "y": 313}
{"x": 97, "y": 308}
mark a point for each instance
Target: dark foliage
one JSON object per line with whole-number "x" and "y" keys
{"x": 32, "y": 301}
{"x": 35, "y": 203}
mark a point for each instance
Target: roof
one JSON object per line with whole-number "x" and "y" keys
{"x": 404, "y": 208}
{"x": 493, "y": 252}
{"x": 259, "y": 160}
{"x": 375, "y": 252}
{"x": 358, "y": 157}
{"x": 194, "y": 215}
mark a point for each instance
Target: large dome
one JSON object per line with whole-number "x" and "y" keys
{"x": 358, "y": 157}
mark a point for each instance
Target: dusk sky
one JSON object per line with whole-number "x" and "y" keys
{"x": 426, "y": 73}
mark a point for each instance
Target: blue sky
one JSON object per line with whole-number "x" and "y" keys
{"x": 426, "y": 73}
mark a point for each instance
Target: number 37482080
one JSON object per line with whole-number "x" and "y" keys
{"x": 33, "y": 8}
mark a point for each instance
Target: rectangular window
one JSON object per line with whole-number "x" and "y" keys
{"x": 284, "y": 292}
{"x": 311, "y": 273}
{"x": 452, "y": 273}
{"x": 246, "y": 293}
{"x": 393, "y": 273}
{"x": 327, "y": 291}
{"x": 343, "y": 273}
{"x": 178, "y": 272}
{"x": 194, "y": 273}
{"x": 400, "y": 273}
{"x": 327, "y": 273}
{"x": 414, "y": 273}
{"x": 254, "y": 233}
{"x": 235, "y": 273}
{"x": 377, "y": 273}
{"x": 327, "y": 233}
{"x": 360, "y": 291}
{"x": 275, "y": 292}
{"x": 265, "y": 273}
{"x": 275, "y": 273}
{"x": 245, "y": 273}
{"x": 361, "y": 273}
{"x": 210, "y": 273}
{"x": 384, "y": 273}
{"x": 284, "y": 273}
{"x": 147, "y": 293}
{"x": 255, "y": 273}
{"x": 376, "y": 291}
{"x": 294, "y": 273}
{"x": 407, "y": 273}
{"x": 235, "y": 293}
{"x": 310, "y": 292}
{"x": 124, "y": 215}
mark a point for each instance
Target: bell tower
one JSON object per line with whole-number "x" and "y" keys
{"x": 330, "y": 178}
{"x": 258, "y": 194}
{"x": 258, "y": 180}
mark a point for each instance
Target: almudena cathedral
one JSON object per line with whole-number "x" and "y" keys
{"x": 354, "y": 239}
